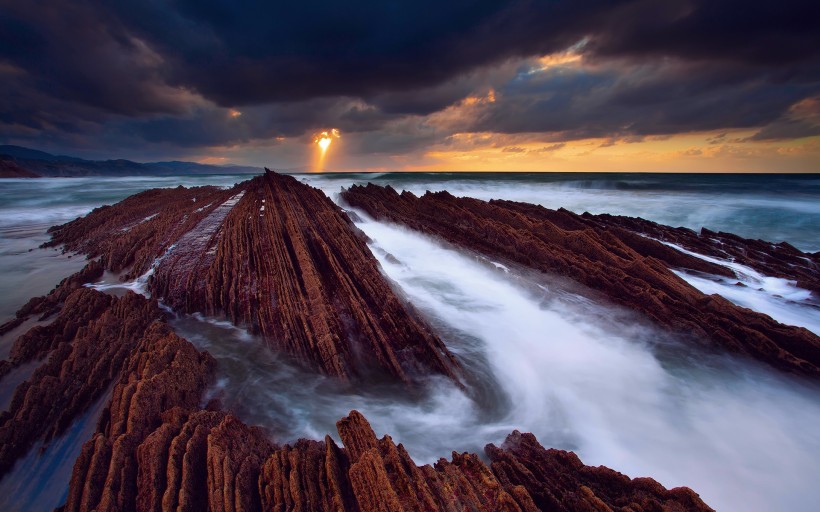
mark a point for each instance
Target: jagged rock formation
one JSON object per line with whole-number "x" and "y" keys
{"x": 86, "y": 346}
{"x": 280, "y": 257}
{"x": 276, "y": 256}
{"x": 156, "y": 449}
{"x": 288, "y": 263}
{"x": 629, "y": 269}
{"x": 50, "y": 304}
{"x": 133, "y": 233}
{"x": 208, "y": 460}
{"x": 371, "y": 474}
{"x": 165, "y": 372}
{"x": 558, "y": 480}
{"x": 777, "y": 260}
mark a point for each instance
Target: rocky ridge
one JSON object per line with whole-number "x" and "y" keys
{"x": 157, "y": 446}
{"x": 85, "y": 349}
{"x": 275, "y": 256}
{"x": 607, "y": 255}
{"x": 288, "y": 263}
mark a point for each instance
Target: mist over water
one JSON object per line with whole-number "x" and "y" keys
{"x": 580, "y": 375}
{"x": 540, "y": 357}
{"x": 588, "y": 377}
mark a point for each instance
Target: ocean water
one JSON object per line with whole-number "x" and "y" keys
{"x": 580, "y": 374}
{"x": 771, "y": 207}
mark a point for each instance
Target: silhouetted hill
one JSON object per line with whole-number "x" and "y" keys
{"x": 17, "y": 161}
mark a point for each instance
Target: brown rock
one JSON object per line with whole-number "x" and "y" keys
{"x": 276, "y": 256}
{"x": 629, "y": 271}
{"x": 772, "y": 259}
{"x": 558, "y": 480}
{"x": 89, "y": 343}
{"x": 137, "y": 230}
{"x": 381, "y": 476}
{"x": 289, "y": 264}
{"x": 299, "y": 273}
{"x": 163, "y": 372}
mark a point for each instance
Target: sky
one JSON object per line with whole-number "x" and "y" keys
{"x": 454, "y": 85}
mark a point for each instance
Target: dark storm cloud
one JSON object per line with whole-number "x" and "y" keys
{"x": 770, "y": 33}
{"x": 217, "y": 126}
{"x": 161, "y": 71}
{"x": 239, "y": 53}
{"x": 646, "y": 99}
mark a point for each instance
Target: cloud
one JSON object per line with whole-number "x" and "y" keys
{"x": 801, "y": 120}
{"x": 401, "y": 74}
{"x": 625, "y": 100}
{"x": 548, "y": 149}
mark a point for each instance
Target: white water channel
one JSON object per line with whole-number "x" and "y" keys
{"x": 578, "y": 374}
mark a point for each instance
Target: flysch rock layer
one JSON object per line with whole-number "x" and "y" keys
{"x": 85, "y": 348}
{"x": 605, "y": 255}
{"x": 288, "y": 263}
{"x": 157, "y": 448}
{"x": 772, "y": 259}
{"x": 132, "y": 234}
{"x": 273, "y": 255}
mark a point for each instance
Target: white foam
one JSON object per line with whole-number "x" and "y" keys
{"x": 779, "y": 298}
{"x": 581, "y": 378}
{"x": 579, "y": 375}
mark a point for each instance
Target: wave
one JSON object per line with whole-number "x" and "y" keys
{"x": 580, "y": 375}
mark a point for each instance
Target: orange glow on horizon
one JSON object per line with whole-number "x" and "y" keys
{"x": 693, "y": 152}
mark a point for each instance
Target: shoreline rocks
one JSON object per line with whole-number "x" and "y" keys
{"x": 278, "y": 257}
{"x": 604, "y": 255}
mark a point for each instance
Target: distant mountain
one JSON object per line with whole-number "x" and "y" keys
{"x": 33, "y": 154}
{"x": 17, "y": 161}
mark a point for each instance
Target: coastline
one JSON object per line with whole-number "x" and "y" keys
{"x": 112, "y": 264}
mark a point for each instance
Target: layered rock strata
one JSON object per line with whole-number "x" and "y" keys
{"x": 209, "y": 460}
{"x": 86, "y": 348}
{"x": 163, "y": 375}
{"x": 280, "y": 257}
{"x": 156, "y": 448}
{"x": 630, "y": 269}
{"x": 132, "y": 234}
{"x": 288, "y": 263}
{"x": 772, "y": 259}
{"x": 273, "y": 255}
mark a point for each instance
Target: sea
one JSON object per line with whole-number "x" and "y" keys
{"x": 580, "y": 373}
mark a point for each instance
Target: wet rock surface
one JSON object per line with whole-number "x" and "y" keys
{"x": 275, "y": 256}
{"x": 280, "y": 257}
{"x": 773, "y": 259}
{"x": 288, "y": 263}
{"x": 608, "y": 256}
{"x": 157, "y": 448}
{"x": 209, "y": 460}
{"x": 133, "y": 233}
{"x": 86, "y": 348}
